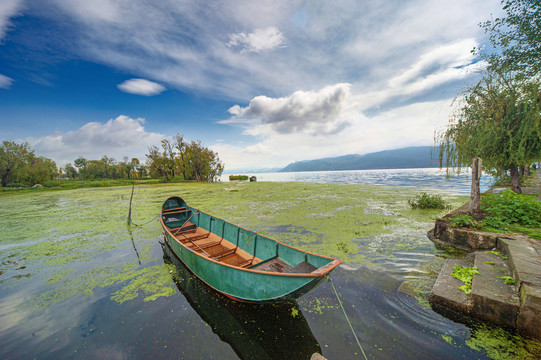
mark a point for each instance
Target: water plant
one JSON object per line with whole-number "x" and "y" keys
{"x": 508, "y": 280}
{"x": 427, "y": 201}
{"x": 465, "y": 274}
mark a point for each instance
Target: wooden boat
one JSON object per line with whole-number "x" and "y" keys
{"x": 237, "y": 262}
{"x": 242, "y": 324}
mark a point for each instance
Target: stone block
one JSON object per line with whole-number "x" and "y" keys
{"x": 445, "y": 292}
{"x": 493, "y": 300}
{"x": 529, "y": 317}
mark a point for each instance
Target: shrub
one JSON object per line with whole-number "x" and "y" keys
{"x": 426, "y": 201}
{"x": 464, "y": 220}
{"x": 512, "y": 208}
{"x": 238, "y": 177}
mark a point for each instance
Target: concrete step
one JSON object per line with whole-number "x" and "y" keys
{"x": 523, "y": 258}
{"x": 525, "y": 265}
{"x": 493, "y": 300}
{"x": 445, "y": 293}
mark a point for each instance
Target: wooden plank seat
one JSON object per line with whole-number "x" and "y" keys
{"x": 175, "y": 210}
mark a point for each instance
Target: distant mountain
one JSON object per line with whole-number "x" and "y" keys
{"x": 410, "y": 157}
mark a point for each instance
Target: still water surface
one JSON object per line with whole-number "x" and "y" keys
{"x": 425, "y": 178}
{"x": 76, "y": 282}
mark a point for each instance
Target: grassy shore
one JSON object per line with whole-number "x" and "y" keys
{"x": 55, "y": 185}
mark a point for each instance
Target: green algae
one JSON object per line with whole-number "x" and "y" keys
{"x": 449, "y": 340}
{"x": 508, "y": 279}
{"x": 465, "y": 274}
{"x": 152, "y": 281}
{"x": 64, "y": 230}
{"x": 500, "y": 344}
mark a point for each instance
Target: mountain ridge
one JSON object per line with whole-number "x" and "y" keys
{"x": 404, "y": 158}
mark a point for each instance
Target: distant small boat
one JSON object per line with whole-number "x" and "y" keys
{"x": 237, "y": 262}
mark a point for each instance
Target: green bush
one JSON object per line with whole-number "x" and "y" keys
{"x": 512, "y": 208}
{"x": 464, "y": 220}
{"x": 426, "y": 201}
{"x": 238, "y": 177}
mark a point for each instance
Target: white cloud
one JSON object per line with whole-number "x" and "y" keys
{"x": 308, "y": 123}
{"x": 257, "y": 41}
{"x": 5, "y": 82}
{"x": 306, "y": 111}
{"x": 197, "y": 46}
{"x": 141, "y": 87}
{"x": 8, "y": 9}
{"x": 118, "y": 137}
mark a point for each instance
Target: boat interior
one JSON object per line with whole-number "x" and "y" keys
{"x": 216, "y": 247}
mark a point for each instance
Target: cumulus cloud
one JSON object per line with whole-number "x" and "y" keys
{"x": 8, "y": 9}
{"x": 257, "y": 41}
{"x": 141, "y": 87}
{"x": 307, "y": 111}
{"x": 5, "y": 82}
{"x": 325, "y": 123}
{"x": 115, "y": 138}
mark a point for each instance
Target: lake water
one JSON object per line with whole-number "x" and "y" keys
{"x": 424, "y": 178}
{"x": 77, "y": 282}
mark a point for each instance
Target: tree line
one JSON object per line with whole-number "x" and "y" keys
{"x": 20, "y": 165}
{"x": 185, "y": 160}
{"x": 177, "y": 159}
{"x": 499, "y": 118}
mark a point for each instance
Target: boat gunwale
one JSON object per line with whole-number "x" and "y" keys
{"x": 327, "y": 268}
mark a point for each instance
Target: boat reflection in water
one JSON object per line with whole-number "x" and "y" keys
{"x": 254, "y": 331}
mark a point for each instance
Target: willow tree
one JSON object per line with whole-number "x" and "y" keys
{"x": 497, "y": 120}
{"x": 515, "y": 39}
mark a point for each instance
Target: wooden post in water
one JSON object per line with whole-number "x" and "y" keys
{"x": 131, "y": 198}
{"x": 475, "y": 197}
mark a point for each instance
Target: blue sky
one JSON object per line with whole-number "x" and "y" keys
{"x": 263, "y": 83}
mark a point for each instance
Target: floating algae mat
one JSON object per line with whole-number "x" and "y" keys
{"x": 76, "y": 281}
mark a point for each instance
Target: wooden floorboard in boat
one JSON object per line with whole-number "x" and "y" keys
{"x": 302, "y": 268}
{"x": 214, "y": 246}
{"x": 275, "y": 265}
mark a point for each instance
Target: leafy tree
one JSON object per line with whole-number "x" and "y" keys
{"x": 39, "y": 170}
{"x": 18, "y": 164}
{"x": 80, "y": 162}
{"x": 516, "y": 39}
{"x": 499, "y": 118}
{"x": 180, "y": 146}
{"x": 202, "y": 163}
{"x": 134, "y": 163}
{"x": 192, "y": 160}
{"x": 13, "y": 158}
{"x": 499, "y": 121}
{"x": 70, "y": 171}
{"x": 158, "y": 163}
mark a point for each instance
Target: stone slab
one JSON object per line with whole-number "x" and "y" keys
{"x": 462, "y": 238}
{"x": 493, "y": 300}
{"x": 445, "y": 292}
{"x": 529, "y": 317}
{"x": 523, "y": 259}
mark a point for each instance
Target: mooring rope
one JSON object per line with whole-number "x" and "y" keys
{"x": 347, "y": 318}
{"x": 132, "y": 223}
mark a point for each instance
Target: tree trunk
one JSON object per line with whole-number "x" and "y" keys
{"x": 515, "y": 179}
{"x": 475, "y": 197}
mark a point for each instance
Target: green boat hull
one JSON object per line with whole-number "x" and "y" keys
{"x": 244, "y": 283}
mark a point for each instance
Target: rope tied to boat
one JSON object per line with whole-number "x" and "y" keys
{"x": 132, "y": 223}
{"x": 346, "y": 316}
